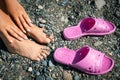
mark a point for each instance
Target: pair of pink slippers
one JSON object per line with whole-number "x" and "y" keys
{"x": 86, "y": 59}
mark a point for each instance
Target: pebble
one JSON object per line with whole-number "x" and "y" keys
{"x": 39, "y": 78}
{"x": 44, "y": 63}
{"x": 98, "y": 43}
{"x": 64, "y": 19}
{"x": 100, "y": 3}
{"x": 64, "y": 2}
{"x": 49, "y": 78}
{"x": 67, "y": 76}
{"x": 117, "y": 14}
{"x": 76, "y": 77}
{"x": 118, "y": 1}
{"x": 28, "y": 1}
{"x": 40, "y": 7}
{"x": 50, "y": 64}
{"x": 42, "y": 20}
{"x": 30, "y": 69}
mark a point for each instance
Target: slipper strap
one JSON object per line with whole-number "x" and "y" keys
{"x": 96, "y": 66}
{"x": 100, "y": 26}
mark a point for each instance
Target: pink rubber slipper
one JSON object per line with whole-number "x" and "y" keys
{"x": 89, "y": 26}
{"x": 85, "y": 59}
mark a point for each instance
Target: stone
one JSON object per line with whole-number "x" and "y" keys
{"x": 67, "y": 76}
{"x": 30, "y": 69}
{"x": 100, "y": 3}
{"x": 76, "y": 77}
{"x": 98, "y": 43}
{"x": 50, "y": 64}
{"x": 42, "y": 20}
{"x": 28, "y": 1}
{"x": 40, "y": 7}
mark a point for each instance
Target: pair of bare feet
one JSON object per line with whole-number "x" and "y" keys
{"x": 15, "y": 37}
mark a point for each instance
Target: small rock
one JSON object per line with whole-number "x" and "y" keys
{"x": 117, "y": 14}
{"x": 64, "y": 19}
{"x": 30, "y": 69}
{"x": 39, "y": 78}
{"x": 97, "y": 43}
{"x": 49, "y": 78}
{"x": 42, "y": 20}
{"x": 76, "y": 78}
{"x": 64, "y": 2}
{"x": 51, "y": 64}
{"x": 100, "y": 3}
{"x": 67, "y": 76}
{"x": 44, "y": 63}
{"x": 37, "y": 73}
{"x": 40, "y": 7}
{"x": 28, "y": 1}
{"x": 118, "y": 1}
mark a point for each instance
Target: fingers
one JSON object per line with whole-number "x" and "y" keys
{"x": 19, "y": 24}
{"x": 7, "y": 37}
{"x": 27, "y": 19}
{"x": 24, "y": 24}
{"x": 13, "y": 34}
{"x": 19, "y": 33}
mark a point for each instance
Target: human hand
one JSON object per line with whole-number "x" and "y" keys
{"x": 8, "y": 29}
{"x": 17, "y": 12}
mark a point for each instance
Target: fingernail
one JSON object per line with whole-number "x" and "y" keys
{"x": 24, "y": 31}
{"x": 26, "y": 37}
{"x": 28, "y": 30}
{"x": 21, "y": 39}
{"x": 31, "y": 24}
{"x": 11, "y": 41}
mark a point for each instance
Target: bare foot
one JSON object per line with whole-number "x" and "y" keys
{"x": 39, "y": 35}
{"x": 27, "y": 49}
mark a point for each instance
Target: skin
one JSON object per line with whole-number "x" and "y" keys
{"x": 23, "y": 47}
{"x": 17, "y": 12}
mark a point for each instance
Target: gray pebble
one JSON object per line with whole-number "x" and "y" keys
{"x": 51, "y": 64}
{"x": 28, "y": 1}
{"x": 44, "y": 63}
{"x": 49, "y": 78}
{"x": 76, "y": 77}
{"x": 98, "y": 43}
{"x": 117, "y": 14}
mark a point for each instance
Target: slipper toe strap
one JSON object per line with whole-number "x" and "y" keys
{"x": 100, "y": 27}
{"x": 96, "y": 65}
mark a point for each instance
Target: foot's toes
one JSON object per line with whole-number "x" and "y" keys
{"x": 51, "y": 38}
{"x": 41, "y": 35}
